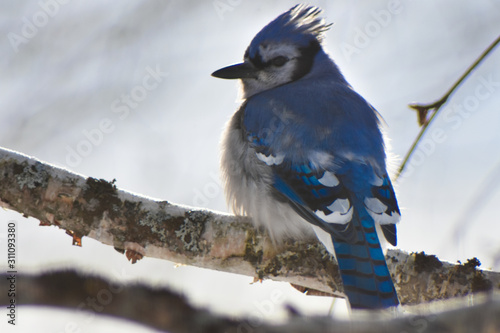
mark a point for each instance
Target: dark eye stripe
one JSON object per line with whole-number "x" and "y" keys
{"x": 279, "y": 61}
{"x": 255, "y": 59}
{"x": 306, "y": 60}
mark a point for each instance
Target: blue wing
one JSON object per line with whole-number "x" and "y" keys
{"x": 324, "y": 198}
{"x": 321, "y": 197}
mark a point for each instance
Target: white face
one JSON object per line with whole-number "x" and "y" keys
{"x": 281, "y": 61}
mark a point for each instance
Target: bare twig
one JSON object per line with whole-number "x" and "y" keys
{"x": 424, "y": 109}
{"x": 145, "y": 227}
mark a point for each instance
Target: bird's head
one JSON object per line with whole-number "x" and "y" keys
{"x": 282, "y": 52}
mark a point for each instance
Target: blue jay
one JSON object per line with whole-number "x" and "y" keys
{"x": 305, "y": 153}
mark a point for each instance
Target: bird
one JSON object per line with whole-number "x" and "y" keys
{"x": 304, "y": 154}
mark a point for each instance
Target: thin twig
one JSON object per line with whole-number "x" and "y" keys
{"x": 424, "y": 109}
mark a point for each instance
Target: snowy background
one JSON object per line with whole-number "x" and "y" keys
{"x": 67, "y": 68}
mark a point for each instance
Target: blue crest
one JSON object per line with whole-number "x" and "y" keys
{"x": 300, "y": 25}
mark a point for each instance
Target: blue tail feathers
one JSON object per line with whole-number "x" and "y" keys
{"x": 366, "y": 278}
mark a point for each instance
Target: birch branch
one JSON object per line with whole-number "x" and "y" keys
{"x": 142, "y": 226}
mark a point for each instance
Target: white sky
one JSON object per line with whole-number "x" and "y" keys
{"x": 72, "y": 70}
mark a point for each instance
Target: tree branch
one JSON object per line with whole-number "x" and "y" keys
{"x": 424, "y": 109}
{"x": 165, "y": 310}
{"x": 145, "y": 227}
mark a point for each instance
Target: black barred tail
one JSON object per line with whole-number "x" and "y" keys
{"x": 366, "y": 278}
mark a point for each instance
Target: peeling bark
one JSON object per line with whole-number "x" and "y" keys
{"x": 143, "y": 226}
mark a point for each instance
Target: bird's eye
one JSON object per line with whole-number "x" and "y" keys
{"x": 279, "y": 61}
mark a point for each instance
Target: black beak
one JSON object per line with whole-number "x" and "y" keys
{"x": 238, "y": 71}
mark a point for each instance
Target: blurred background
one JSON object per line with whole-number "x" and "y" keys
{"x": 122, "y": 90}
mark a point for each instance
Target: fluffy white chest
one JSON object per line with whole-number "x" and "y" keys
{"x": 248, "y": 180}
